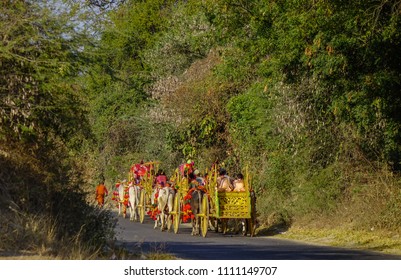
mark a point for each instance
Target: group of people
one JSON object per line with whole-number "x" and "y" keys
{"x": 225, "y": 183}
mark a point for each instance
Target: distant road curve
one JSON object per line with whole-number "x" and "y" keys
{"x": 134, "y": 235}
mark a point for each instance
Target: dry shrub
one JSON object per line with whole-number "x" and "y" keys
{"x": 43, "y": 209}
{"x": 181, "y": 96}
{"x": 370, "y": 193}
{"x": 34, "y": 236}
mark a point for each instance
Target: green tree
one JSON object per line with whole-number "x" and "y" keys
{"x": 43, "y": 122}
{"x": 39, "y": 57}
{"x": 117, "y": 83}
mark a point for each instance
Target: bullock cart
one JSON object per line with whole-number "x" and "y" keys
{"x": 228, "y": 205}
{"x": 146, "y": 183}
{"x": 180, "y": 184}
{"x": 216, "y": 205}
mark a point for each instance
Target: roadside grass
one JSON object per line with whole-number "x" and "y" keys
{"x": 32, "y": 237}
{"x": 81, "y": 252}
{"x": 374, "y": 240}
{"x": 159, "y": 256}
{"x": 117, "y": 251}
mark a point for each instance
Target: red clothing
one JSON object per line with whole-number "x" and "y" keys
{"x": 140, "y": 169}
{"x": 186, "y": 168}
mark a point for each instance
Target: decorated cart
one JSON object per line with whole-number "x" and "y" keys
{"x": 228, "y": 205}
{"x": 216, "y": 205}
{"x": 147, "y": 173}
{"x": 180, "y": 183}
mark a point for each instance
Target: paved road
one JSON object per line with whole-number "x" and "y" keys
{"x": 216, "y": 246}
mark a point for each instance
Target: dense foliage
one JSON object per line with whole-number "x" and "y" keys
{"x": 44, "y": 126}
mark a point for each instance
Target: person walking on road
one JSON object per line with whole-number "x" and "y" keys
{"x": 101, "y": 192}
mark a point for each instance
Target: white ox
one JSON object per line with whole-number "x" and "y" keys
{"x": 133, "y": 201}
{"x": 121, "y": 206}
{"x": 165, "y": 201}
{"x": 134, "y": 193}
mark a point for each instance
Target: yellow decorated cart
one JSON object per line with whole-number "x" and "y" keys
{"x": 180, "y": 183}
{"x": 228, "y": 205}
{"x": 147, "y": 188}
{"x": 217, "y": 205}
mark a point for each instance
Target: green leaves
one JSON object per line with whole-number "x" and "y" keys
{"x": 43, "y": 120}
{"x": 38, "y": 57}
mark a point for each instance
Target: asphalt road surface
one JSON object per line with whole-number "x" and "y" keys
{"x": 215, "y": 246}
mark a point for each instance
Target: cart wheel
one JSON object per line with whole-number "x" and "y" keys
{"x": 142, "y": 207}
{"x": 177, "y": 213}
{"x": 204, "y": 218}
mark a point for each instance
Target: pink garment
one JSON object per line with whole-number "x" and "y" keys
{"x": 161, "y": 179}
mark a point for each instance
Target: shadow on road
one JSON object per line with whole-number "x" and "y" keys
{"x": 201, "y": 251}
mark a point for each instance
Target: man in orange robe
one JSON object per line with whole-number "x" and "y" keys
{"x": 101, "y": 192}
